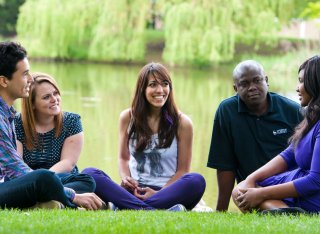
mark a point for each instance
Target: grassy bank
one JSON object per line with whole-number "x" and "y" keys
{"x": 68, "y": 221}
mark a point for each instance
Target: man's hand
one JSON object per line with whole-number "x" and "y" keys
{"x": 89, "y": 201}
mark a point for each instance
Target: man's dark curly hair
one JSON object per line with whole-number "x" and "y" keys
{"x": 10, "y": 54}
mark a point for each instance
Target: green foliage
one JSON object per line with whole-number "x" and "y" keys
{"x": 205, "y": 32}
{"x": 58, "y": 29}
{"x": 312, "y": 11}
{"x": 257, "y": 22}
{"x": 119, "y": 32}
{"x": 194, "y": 33}
{"x": 95, "y": 29}
{"x": 8, "y": 16}
{"x": 153, "y": 36}
{"x": 299, "y": 6}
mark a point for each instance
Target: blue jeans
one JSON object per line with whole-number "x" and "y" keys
{"x": 187, "y": 191}
{"x": 37, "y": 186}
{"x": 81, "y": 183}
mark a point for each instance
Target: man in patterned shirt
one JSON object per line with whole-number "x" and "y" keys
{"x": 21, "y": 187}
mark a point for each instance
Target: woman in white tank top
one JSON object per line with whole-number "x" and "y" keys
{"x": 155, "y": 149}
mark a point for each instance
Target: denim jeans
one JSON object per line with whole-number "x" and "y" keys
{"x": 81, "y": 183}
{"x": 37, "y": 186}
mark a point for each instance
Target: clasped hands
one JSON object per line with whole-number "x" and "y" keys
{"x": 247, "y": 196}
{"x": 132, "y": 185}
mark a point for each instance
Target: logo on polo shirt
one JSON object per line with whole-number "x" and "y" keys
{"x": 280, "y": 131}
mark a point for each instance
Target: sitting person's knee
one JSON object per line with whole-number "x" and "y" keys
{"x": 44, "y": 177}
{"x": 234, "y": 193}
{"x": 43, "y": 174}
{"x": 89, "y": 170}
{"x": 199, "y": 179}
{"x": 196, "y": 180}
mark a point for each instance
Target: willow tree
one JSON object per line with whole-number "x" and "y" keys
{"x": 198, "y": 33}
{"x": 95, "y": 29}
{"x": 205, "y": 31}
{"x": 119, "y": 32}
{"x": 59, "y": 28}
{"x": 258, "y": 22}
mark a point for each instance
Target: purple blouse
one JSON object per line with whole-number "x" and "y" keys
{"x": 306, "y": 157}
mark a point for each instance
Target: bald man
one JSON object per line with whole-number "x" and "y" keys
{"x": 249, "y": 129}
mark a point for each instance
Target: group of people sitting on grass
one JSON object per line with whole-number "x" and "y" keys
{"x": 261, "y": 139}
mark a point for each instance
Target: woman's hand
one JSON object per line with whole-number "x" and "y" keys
{"x": 249, "y": 198}
{"x": 144, "y": 193}
{"x": 245, "y": 184}
{"x": 129, "y": 183}
{"x": 238, "y": 192}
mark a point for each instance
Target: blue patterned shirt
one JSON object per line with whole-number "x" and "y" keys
{"x": 11, "y": 164}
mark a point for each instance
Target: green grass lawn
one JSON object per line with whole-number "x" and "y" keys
{"x": 70, "y": 221}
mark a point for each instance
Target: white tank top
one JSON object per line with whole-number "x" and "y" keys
{"x": 153, "y": 166}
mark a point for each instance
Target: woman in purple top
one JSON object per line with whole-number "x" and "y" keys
{"x": 292, "y": 179}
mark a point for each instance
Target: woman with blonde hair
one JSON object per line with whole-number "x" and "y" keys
{"x": 49, "y": 138}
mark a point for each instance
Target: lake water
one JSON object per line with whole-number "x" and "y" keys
{"x": 99, "y": 92}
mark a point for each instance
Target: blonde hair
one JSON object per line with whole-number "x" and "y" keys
{"x": 28, "y": 114}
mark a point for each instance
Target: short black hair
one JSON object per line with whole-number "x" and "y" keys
{"x": 10, "y": 54}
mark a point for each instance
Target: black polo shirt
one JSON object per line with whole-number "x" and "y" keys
{"x": 243, "y": 142}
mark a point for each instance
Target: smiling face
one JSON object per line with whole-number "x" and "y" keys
{"x": 19, "y": 84}
{"x": 304, "y": 97}
{"x": 47, "y": 100}
{"x": 157, "y": 92}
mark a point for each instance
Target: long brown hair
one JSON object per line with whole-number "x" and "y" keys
{"x": 311, "y": 84}
{"x": 169, "y": 119}
{"x": 28, "y": 115}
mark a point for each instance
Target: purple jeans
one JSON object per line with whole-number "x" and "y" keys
{"x": 187, "y": 191}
